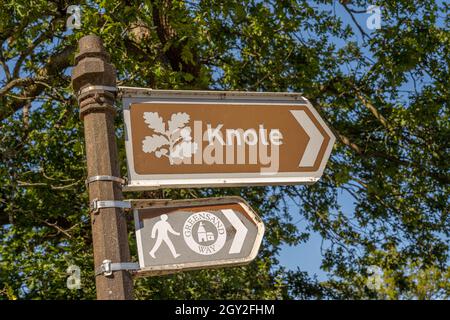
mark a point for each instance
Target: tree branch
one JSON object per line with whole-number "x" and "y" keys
{"x": 350, "y": 144}
{"x": 350, "y": 12}
{"x": 58, "y": 228}
{"x": 4, "y": 65}
{"x": 19, "y": 82}
{"x": 374, "y": 110}
{"x": 442, "y": 178}
{"x": 55, "y": 65}
{"x": 28, "y": 51}
{"x": 167, "y": 34}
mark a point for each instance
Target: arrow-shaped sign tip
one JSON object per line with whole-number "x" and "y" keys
{"x": 315, "y": 138}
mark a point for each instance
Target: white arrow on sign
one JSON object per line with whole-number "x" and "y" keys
{"x": 241, "y": 230}
{"x": 315, "y": 138}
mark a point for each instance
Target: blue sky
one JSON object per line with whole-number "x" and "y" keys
{"x": 307, "y": 256}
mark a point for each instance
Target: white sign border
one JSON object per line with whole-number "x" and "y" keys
{"x": 137, "y": 182}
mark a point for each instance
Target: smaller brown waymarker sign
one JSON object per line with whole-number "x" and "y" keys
{"x": 183, "y": 235}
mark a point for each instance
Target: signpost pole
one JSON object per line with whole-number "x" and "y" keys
{"x": 94, "y": 81}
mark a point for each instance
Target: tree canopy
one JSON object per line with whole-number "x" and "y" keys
{"x": 384, "y": 92}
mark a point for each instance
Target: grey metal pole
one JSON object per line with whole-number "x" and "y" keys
{"x": 97, "y": 77}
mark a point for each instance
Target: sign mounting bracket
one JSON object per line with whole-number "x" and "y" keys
{"x": 105, "y": 178}
{"x": 107, "y": 267}
{"x": 96, "y": 204}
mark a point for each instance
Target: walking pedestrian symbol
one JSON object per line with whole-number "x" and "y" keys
{"x": 161, "y": 230}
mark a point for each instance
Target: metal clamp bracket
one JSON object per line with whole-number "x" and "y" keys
{"x": 107, "y": 268}
{"x": 105, "y": 178}
{"x": 98, "y": 204}
{"x": 93, "y": 88}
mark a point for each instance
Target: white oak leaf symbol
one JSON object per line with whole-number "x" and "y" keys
{"x": 154, "y": 142}
{"x": 155, "y": 122}
{"x": 184, "y": 149}
{"x": 159, "y": 153}
{"x": 178, "y": 120}
{"x": 185, "y": 133}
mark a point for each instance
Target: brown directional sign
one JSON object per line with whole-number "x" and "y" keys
{"x": 211, "y": 138}
{"x": 192, "y": 234}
